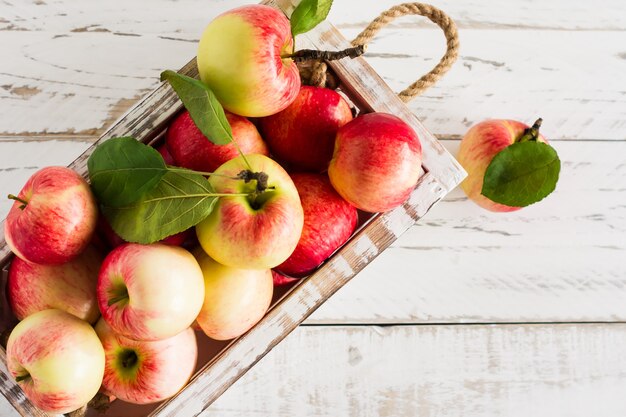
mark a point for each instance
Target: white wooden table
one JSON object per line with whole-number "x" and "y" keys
{"x": 470, "y": 313}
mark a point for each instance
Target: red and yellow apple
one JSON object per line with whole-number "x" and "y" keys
{"x": 150, "y": 292}
{"x": 478, "y": 147}
{"x": 329, "y": 221}
{"x": 240, "y": 57}
{"x": 302, "y": 137}
{"x": 143, "y": 372}
{"x": 257, "y": 230}
{"x": 234, "y": 299}
{"x": 191, "y": 149}
{"x": 53, "y": 217}
{"x": 57, "y": 360}
{"x": 376, "y": 163}
{"x": 70, "y": 287}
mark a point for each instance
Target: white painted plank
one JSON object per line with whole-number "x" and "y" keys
{"x": 74, "y": 69}
{"x": 183, "y": 16}
{"x": 426, "y": 371}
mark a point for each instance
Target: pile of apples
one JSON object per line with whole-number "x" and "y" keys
{"x": 101, "y": 314}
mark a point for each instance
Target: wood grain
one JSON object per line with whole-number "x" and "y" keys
{"x": 426, "y": 371}
{"x": 516, "y": 62}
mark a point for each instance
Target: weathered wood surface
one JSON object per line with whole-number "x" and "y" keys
{"x": 427, "y": 371}
{"x": 71, "y": 68}
{"x": 516, "y": 61}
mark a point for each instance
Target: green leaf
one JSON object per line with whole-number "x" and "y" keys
{"x": 122, "y": 170}
{"x": 204, "y": 108}
{"x": 522, "y": 174}
{"x": 177, "y": 203}
{"x": 309, "y": 14}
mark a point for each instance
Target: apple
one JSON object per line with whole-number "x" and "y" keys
{"x": 191, "y": 149}
{"x": 478, "y": 147}
{"x": 240, "y": 57}
{"x": 142, "y": 372}
{"x": 53, "y": 217}
{"x": 70, "y": 287}
{"x": 252, "y": 231}
{"x": 376, "y": 163}
{"x": 329, "y": 221}
{"x": 234, "y": 299}
{"x": 302, "y": 137}
{"x": 150, "y": 292}
{"x": 57, "y": 360}
{"x": 281, "y": 280}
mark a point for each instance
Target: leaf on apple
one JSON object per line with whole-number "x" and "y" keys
{"x": 204, "y": 108}
{"x": 179, "y": 201}
{"x": 522, "y": 174}
{"x": 122, "y": 170}
{"x": 309, "y": 14}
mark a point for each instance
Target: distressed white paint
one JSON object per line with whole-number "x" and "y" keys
{"x": 426, "y": 371}
{"x": 92, "y": 59}
{"x": 559, "y": 260}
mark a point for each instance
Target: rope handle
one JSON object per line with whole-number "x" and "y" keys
{"x": 319, "y": 75}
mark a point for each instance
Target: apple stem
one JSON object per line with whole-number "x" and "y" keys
{"x": 16, "y": 198}
{"x": 531, "y": 133}
{"x": 22, "y": 377}
{"x": 117, "y": 299}
{"x": 260, "y": 177}
{"x": 312, "y": 54}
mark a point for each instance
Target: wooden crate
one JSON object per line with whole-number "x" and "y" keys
{"x": 221, "y": 364}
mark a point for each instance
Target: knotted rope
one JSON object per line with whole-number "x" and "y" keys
{"x": 319, "y": 74}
